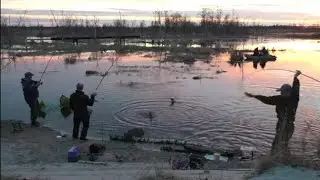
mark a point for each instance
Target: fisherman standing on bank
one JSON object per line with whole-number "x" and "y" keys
{"x": 31, "y": 94}
{"x": 286, "y": 107}
{"x": 78, "y": 103}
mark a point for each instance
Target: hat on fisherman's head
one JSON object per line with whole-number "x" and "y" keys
{"x": 28, "y": 74}
{"x": 285, "y": 89}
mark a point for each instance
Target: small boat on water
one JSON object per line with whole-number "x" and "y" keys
{"x": 250, "y": 57}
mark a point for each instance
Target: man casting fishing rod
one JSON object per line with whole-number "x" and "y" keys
{"x": 31, "y": 95}
{"x": 286, "y": 107}
{"x": 78, "y": 103}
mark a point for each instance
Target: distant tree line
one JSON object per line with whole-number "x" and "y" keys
{"x": 165, "y": 24}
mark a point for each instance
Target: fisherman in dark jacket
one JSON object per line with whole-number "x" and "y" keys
{"x": 31, "y": 94}
{"x": 78, "y": 103}
{"x": 286, "y": 107}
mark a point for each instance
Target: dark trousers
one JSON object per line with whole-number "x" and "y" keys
{"x": 34, "y": 109}
{"x": 280, "y": 144}
{"x": 76, "y": 126}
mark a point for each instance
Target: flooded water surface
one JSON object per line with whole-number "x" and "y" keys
{"x": 212, "y": 111}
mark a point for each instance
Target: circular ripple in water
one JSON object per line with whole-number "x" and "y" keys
{"x": 224, "y": 123}
{"x": 184, "y": 115}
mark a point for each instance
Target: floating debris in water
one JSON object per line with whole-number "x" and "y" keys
{"x": 220, "y": 71}
{"x": 172, "y": 101}
{"x": 91, "y": 72}
{"x": 71, "y": 59}
{"x": 147, "y": 56}
{"x": 213, "y": 65}
{"x": 196, "y": 77}
{"x": 131, "y": 84}
{"x": 209, "y": 77}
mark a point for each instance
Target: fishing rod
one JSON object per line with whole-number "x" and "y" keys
{"x": 105, "y": 74}
{"x": 294, "y": 72}
{"x": 45, "y": 69}
{"x": 283, "y": 70}
{"x": 7, "y": 64}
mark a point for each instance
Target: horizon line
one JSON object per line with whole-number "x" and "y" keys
{"x": 46, "y": 16}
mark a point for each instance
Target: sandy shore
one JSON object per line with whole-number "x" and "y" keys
{"x": 38, "y": 153}
{"x": 40, "y": 147}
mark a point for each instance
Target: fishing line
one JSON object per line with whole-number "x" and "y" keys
{"x": 105, "y": 74}
{"x": 282, "y": 70}
{"x": 52, "y": 108}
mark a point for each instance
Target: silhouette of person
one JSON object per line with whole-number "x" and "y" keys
{"x": 286, "y": 106}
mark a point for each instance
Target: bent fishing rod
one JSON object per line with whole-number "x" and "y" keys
{"x": 10, "y": 61}
{"x": 294, "y": 72}
{"x": 106, "y": 73}
{"x": 45, "y": 69}
{"x": 287, "y": 71}
{"x": 6, "y": 64}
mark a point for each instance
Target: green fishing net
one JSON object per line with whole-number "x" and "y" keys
{"x": 65, "y": 106}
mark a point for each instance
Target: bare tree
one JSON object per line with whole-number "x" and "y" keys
{"x": 95, "y": 23}
{"x": 219, "y": 15}
{"x": 142, "y": 26}
{"x": 21, "y": 20}
{"x": 4, "y": 21}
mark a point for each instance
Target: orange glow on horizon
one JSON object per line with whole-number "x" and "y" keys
{"x": 151, "y": 18}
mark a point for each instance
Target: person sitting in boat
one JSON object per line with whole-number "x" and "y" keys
{"x": 256, "y": 52}
{"x": 264, "y": 52}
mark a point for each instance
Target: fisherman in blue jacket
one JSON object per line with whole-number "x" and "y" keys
{"x": 31, "y": 94}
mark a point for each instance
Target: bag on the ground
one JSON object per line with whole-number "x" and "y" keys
{"x": 65, "y": 106}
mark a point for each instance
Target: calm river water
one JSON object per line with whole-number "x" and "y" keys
{"x": 210, "y": 111}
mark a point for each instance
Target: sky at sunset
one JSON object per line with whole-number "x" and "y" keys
{"x": 268, "y": 12}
